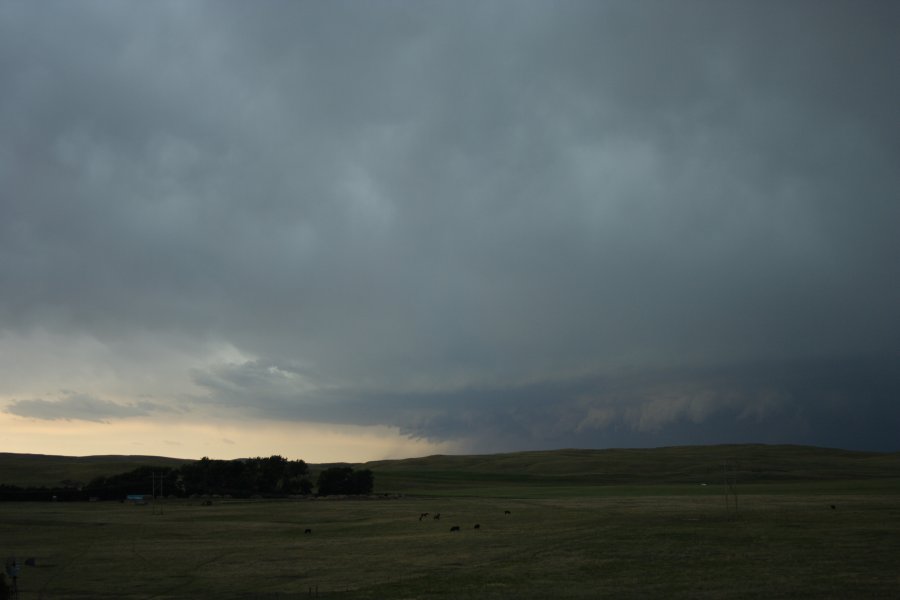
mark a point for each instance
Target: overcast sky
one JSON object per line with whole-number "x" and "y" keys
{"x": 355, "y": 230}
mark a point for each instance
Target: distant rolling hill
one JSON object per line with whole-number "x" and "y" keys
{"x": 689, "y": 465}
{"x": 50, "y": 470}
{"x": 747, "y": 463}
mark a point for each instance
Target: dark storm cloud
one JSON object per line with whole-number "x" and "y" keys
{"x": 846, "y": 402}
{"x": 397, "y": 208}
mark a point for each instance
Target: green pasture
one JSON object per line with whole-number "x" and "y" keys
{"x": 693, "y": 470}
{"x": 458, "y": 485}
{"x": 578, "y": 542}
{"x": 680, "y": 465}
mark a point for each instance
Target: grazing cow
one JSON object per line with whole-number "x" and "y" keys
{"x": 454, "y": 528}
{"x": 506, "y": 512}
{"x": 437, "y": 516}
{"x": 477, "y": 526}
{"x": 308, "y": 531}
{"x": 422, "y": 516}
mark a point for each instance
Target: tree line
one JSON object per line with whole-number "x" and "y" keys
{"x": 270, "y": 477}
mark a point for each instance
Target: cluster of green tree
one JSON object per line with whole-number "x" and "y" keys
{"x": 274, "y": 476}
{"x": 143, "y": 481}
{"x": 344, "y": 480}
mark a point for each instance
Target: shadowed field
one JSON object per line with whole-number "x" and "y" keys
{"x": 622, "y": 546}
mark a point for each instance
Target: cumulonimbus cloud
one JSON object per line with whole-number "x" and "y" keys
{"x": 465, "y": 224}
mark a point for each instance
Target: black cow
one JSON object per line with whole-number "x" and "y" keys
{"x": 308, "y": 531}
{"x": 454, "y": 528}
{"x": 477, "y": 526}
{"x": 506, "y": 512}
{"x": 437, "y": 517}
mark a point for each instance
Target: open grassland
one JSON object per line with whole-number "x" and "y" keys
{"x": 616, "y": 544}
{"x": 809, "y": 523}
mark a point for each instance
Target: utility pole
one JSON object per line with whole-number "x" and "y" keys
{"x": 729, "y": 472}
{"x": 12, "y": 569}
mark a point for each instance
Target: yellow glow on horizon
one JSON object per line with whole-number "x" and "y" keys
{"x": 314, "y": 443}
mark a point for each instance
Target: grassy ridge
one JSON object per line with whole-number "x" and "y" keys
{"x": 540, "y": 470}
{"x": 685, "y": 465}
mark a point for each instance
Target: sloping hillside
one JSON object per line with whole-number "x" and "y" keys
{"x": 751, "y": 463}
{"x": 49, "y": 470}
{"x": 673, "y": 465}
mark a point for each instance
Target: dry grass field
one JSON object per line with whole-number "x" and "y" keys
{"x": 615, "y": 546}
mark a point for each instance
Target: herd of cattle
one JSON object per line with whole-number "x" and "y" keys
{"x": 437, "y": 517}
